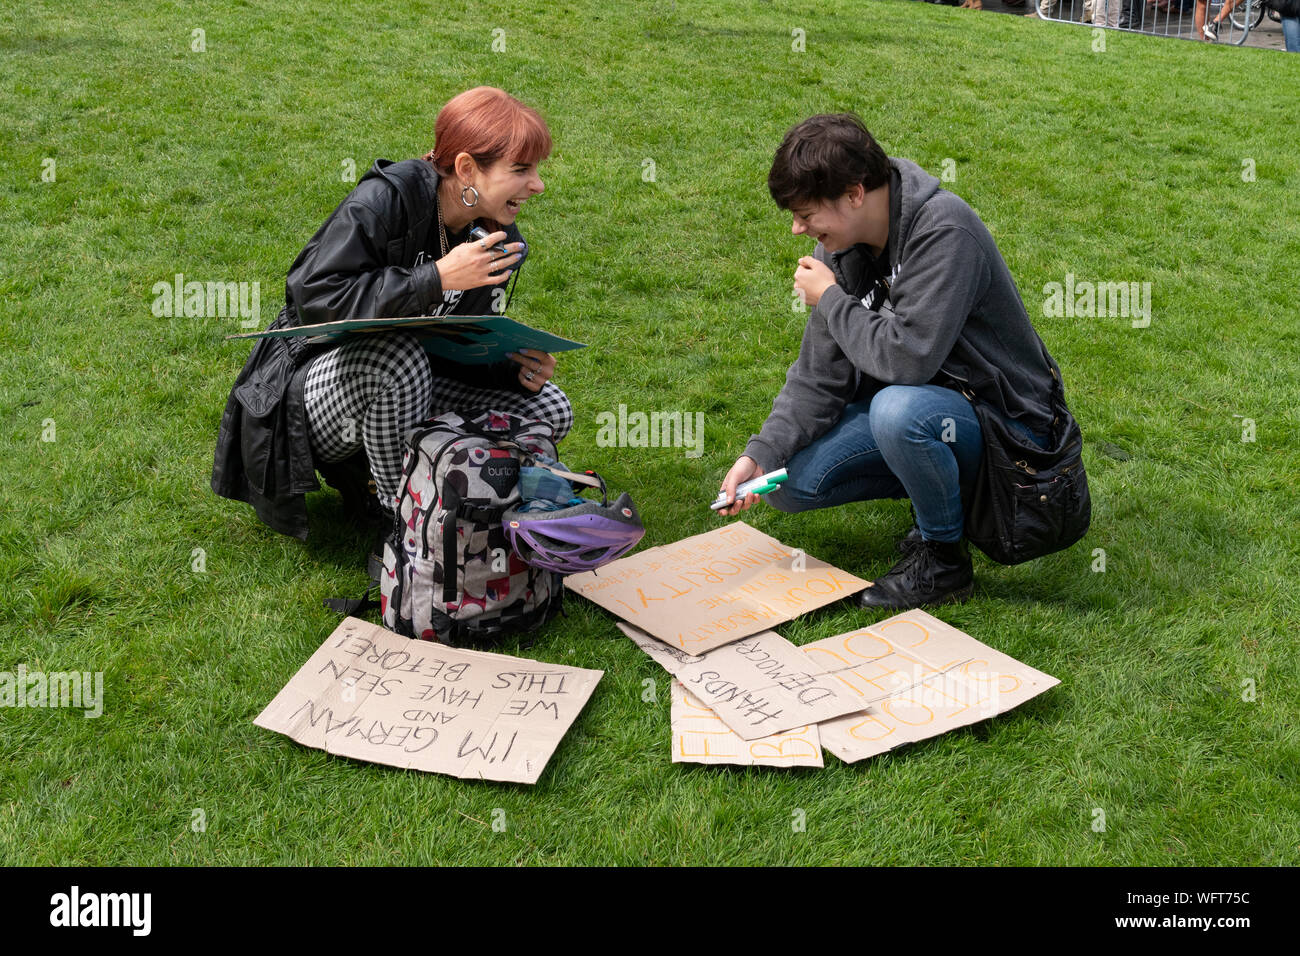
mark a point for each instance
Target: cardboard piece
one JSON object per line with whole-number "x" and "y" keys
{"x": 917, "y": 677}
{"x": 370, "y": 694}
{"x": 467, "y": 339}
{"x": 758, "y": 685}
{"x": 700, "y": 736}
{"x": 713, "y": 588}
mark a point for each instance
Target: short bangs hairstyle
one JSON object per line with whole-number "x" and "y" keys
{"x": 490, "y": 125}
{"x": 822, "y": 157}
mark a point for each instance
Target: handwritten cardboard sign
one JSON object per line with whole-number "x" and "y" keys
{"x": 702, "y": 592}
{"x": 700, "y": 736}
{"x": 917, "y": 677}
{"x": 758, "y": 686}
{"x": 370, "y": 694}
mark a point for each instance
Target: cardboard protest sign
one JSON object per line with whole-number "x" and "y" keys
{"x": 758, "y": 686}
{"x": 370, "y": 694}
{"x": 917, "y": 677}
{"x": 705, "y": 591}
{"x": 700, "y": 736}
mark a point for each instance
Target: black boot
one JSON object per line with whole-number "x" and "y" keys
{"x": 910, "y": 540}
{"x": 932, "y": 572}
{"x": 352, "y": 479}
{"x": 383, "y": 524}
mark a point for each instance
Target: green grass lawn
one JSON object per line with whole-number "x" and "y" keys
{"x": 1151, "y": 161}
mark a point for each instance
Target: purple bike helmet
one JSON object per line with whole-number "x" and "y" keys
{"x": 579, "y": 538}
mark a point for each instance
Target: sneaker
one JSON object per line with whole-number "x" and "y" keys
{"x": 933, "y": 572}
{"x": 1211, "y": 30}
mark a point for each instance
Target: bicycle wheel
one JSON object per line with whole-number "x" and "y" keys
{"x": 1247, "y": 15}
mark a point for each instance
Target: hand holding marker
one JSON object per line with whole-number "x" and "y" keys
{"x": 755, "y": 486}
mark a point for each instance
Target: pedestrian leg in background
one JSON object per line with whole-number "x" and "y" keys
{"x": 1291, "y": 33}
{"x": 1105, "y": 13}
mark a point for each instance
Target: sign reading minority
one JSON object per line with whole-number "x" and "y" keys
{"x": 708, "y": 590}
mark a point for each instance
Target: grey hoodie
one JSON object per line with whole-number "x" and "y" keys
{"x": 949, "y": 313}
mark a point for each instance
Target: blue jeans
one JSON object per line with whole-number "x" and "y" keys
{"x": 1291, "y": 34}
{"x": 921, "y": 442}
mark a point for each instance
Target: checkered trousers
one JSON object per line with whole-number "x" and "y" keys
{"x": 370, "y": 391}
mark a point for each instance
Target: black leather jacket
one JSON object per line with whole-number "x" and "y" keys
{"x": 374, "y": 256}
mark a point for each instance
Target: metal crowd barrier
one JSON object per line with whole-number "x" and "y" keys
{"x": 1175, "y": 18}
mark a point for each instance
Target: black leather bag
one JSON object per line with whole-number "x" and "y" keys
{"x": 1028, "y": 501}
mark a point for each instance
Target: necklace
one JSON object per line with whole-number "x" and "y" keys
{"x": 442, "y": 230}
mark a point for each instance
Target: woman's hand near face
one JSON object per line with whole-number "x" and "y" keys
{"x": 475, "y": 263}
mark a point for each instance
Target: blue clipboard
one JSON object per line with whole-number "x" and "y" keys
{"x": 467, "y": 339}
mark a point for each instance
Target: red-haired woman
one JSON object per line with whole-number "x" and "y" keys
{"x": 398, "y": 245}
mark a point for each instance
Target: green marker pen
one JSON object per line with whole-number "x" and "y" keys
{"x": 755, "y": 486}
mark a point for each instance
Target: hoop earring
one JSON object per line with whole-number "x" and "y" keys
{"x": 469, "y": 205}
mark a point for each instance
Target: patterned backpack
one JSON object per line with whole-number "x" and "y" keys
{"x": 449, "y": 573}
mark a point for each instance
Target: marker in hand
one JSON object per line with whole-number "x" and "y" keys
{"x": 755, "y": 486}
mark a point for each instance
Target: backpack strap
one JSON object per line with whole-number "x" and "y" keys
{"x": 451, "y": 503}
{"x": 354, "y": 606}
{"x": 461, "y": 633}
{"x": 351, "y": 607}
{"x": 484, "y": 515}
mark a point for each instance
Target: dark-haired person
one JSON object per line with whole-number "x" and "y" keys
{"x": 910, "y": 301}
{"x": 398, "y": 245}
